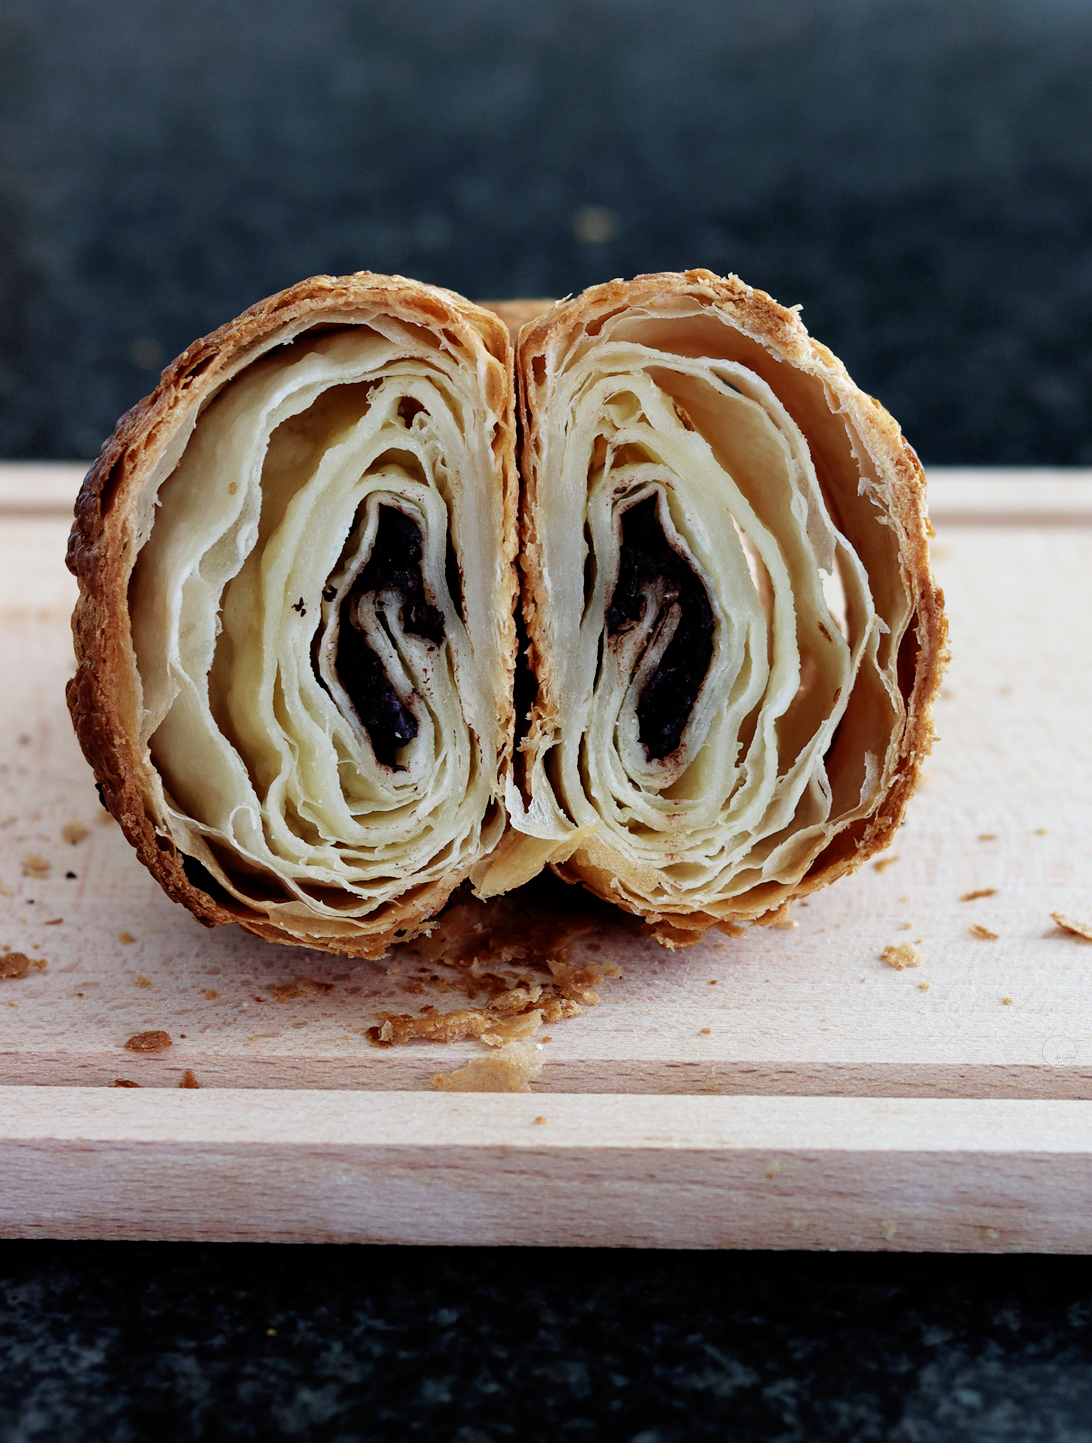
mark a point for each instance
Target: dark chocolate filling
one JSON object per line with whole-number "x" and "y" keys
{"x": 645, "y": 558}
{"x": 394, "y": 565}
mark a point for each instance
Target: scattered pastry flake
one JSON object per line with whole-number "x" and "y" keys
{"x": 1070, "y": 924}
{"x": 509, "y": 1069}
{"x": 18, "y": 964}
{"x": 73, "y": 832}
{"x": 987, "y": 836}
{"x": 539, "y": 1120}
{"x": 5, "y": 890}
{"x": 54, "y": 922}
{"x": 211, "y": 993}
{"x": 902, "y": 956}
{"x": 1007, "y": 1001}
{"x": 884, "y": 862}
{"x": 513, "y": 954}
{"x": 188, "y": 1079}
{"x": 148, "y": 1042}
{"x": 888, "y": 1229}
{"x": 35, "y": 866}
{"x": 302, "y": 987}
{"x": 707, "y": 1032}
{"x": 478, "y": 1024}
{"x": 772, "y": 1171}
{"x": 984, "y": 933}
{"x": 126, "y": 937}
{"x": 142, "y": 981}
{"x": 1042, "y": 832}
{"x": 923, "y": 987}
{"x": 124, "y": 1082}
{"x": 906, "y": 927}
{"x": 978, "y": 892}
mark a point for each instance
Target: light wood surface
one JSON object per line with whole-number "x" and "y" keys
{"x": 811, "y": 1010}
{"x": 701, "y": 1172}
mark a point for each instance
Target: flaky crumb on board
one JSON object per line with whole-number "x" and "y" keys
{"x": 148, "y": 1041}
{"x": 18, "y": 964}
{"x": 188, "y": 1079}
{"x": 984, "y": 933}
{"x": 978, "y": 892}
{"x": 902, "y": 956}
{"x": 884, "y": 862}
{"x": 510, "y": 957}
{"x": 1070, "y": 924}
{"x": 509, "y": 1069}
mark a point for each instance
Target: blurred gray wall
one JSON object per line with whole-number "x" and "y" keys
{"x": 918, "y": 173}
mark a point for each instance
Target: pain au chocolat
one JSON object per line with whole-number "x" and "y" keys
{"x": 295, "y": 634}
{"x": 733, "y": 627}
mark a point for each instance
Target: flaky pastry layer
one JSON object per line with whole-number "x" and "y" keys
{"x": 295, "y": 634}
{"x": 733, "y": 626}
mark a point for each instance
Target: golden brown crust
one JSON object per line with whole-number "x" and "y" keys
{"x": 784, "y": 339}
{"x": 104, "y": 694}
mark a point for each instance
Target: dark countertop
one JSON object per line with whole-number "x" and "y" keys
{"x": 113, "y": 1342}
{"x": 917, "y": 173}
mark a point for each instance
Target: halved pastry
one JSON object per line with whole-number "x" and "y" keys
{"x": 295, "y": 632}
{"x": 732, "y": 622}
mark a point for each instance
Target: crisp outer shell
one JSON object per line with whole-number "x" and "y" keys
{"x": 104, "y": 696}
{"x": 902, "y": 489}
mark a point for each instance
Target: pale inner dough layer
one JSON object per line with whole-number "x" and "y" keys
{"x": 268, "y": 776}
{"x": 794, "y": 733}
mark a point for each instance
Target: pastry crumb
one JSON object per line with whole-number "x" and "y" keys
{"x": 188, "y": 1079}
{"x": 35, "y": 866}
{"x": 126, "y": 937}
{"x": 884, "y": 863}
{"x": 1007, "y": 1001}
{"x": 1042, "y": 832}
{"x": 984, "y": 933}
{"x": 888, "y": 1229}
{"x": 540, "y": 1119}
{"x": 772, "y": 1171}
{"x": 148, "y": 1041}
{"x": 978, "y": 892}
{"x": 987, "y": 836}
{"x": 510, "y": 1069}
{"x": 906, "y": 927}
{"x": 18, "y": 964}
{"x": 923, "y": 987}
{"x": 211, "y": 993}
{"x": 902, "y": 956}
{"x": 707, "y": 1032}
{"x": 1070, "y": 924}
{"x": 302, "y": 987}
{"x": 73, "y": 832}
{"x": 124, "y": 1082}
{"x": 142, "y": 981}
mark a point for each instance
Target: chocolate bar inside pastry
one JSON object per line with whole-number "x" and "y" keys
{"x": 733, "y": 626}
{"x": 295, "y": 634}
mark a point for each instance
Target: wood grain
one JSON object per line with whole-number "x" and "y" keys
{"x": 880, "y": 1105}
{"x": 697, "y": 1172}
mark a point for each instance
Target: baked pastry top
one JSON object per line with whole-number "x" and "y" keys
{"x": 295, "y": 635}
{"x": 733, "y": 626}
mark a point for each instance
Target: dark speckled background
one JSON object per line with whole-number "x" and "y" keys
{"x": 919, "y": 174}
{"x": 127, "y": 1342}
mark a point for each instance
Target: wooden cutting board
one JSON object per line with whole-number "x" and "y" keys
{"x": 784, "y": 1089}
